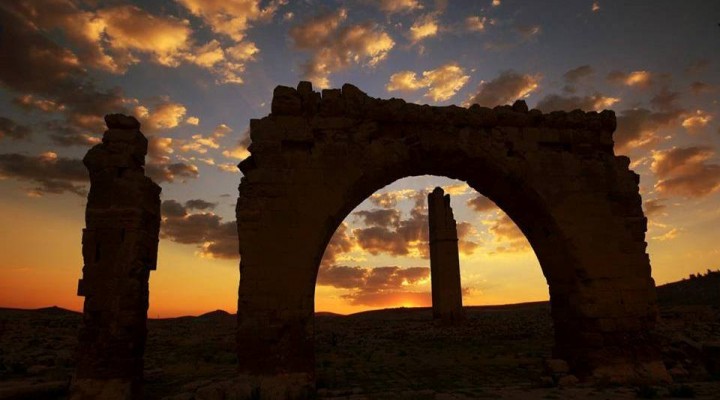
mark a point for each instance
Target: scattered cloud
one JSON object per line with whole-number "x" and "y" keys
{"x": 378, "y": 286}
{"x": 213, "y": 237}
{"x": 199, "y": 204}
{"x": 379, "y": 217}
{"x": 665, "y": 100}
{"x": 596, "y": 102}
{"x": 686, "y": 171}
{"x": 506, "y": 88}
{"x": 669, "y": 235}
{"x": 697, "y": 121}
{"x": 52, "y": 174}
{"x": 385, "y": 232}
{"x": 580, "y": 73}
{"x": 160, "y": 149}
{"x": 341, "y": 242}
{"x": 29, "y": 102}
{"x": 508, "y": 236}
{"x": 595, "y": 6}
{"x": 698, "y": 88}
{"x": 398, "y": 6}
{"x": 639, "y": 127}
{"x": 654, "y": 207}
{"x": 442, "y": 83}
{"x": 335, "y": 48}
{"x": 528, "y": 32}
{"x": 165, "y": 114}
{"x": 170, "y": 172}
{"x": 390, "y": 199}
{"x": 495, "y": 3}
{"x": 371, "y": 279}
{"x": 231, "y": 18}
{"x": 128, "y": 29}
{"x": 192, "y": 121}
{"x": 13, "y": 130}
{"x": 424, "y": 27}
{"x": 476, "y": 23}
{"x": 640, "y": 78}
{"x": 199, "y": 143}
{"x": 481, "y": 204}
{"x": 240, "y": 151}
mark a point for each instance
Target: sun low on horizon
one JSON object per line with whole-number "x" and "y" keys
{"x": 194, "y": 73}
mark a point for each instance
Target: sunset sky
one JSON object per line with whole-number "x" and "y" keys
{"x": 194, "y": 72}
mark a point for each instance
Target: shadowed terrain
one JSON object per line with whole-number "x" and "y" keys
{"x": 500, "y": 351}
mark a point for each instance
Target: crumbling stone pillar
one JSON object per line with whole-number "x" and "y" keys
{"x": 444, "y": 261}
{"x": 119, "y": 250}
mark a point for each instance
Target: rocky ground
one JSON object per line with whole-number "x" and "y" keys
{"x": 389, "y": 354}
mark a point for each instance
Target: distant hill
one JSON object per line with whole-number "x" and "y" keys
{"x": 701, "y": 289}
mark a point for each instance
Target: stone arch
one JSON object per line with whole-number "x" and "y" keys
{"x": 317, "y": 156}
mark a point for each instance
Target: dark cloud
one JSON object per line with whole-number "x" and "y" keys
{"x": 698, "y": 66}
{"x": 386, "y": 233}
{"x": 173, "y": 209}
{"x": 481, "y": 203}
{"x": 340, "y": 243}
{"x": 376, "y": 240}
{"x": 509, "y": 237}
{"x": 506, "y": 88}
{"x": 53, "y": 174}
{"x": 31, "y": 62}
{"x": 686, "y": 171}
{"x": 665, "y": 100}
{"x": 379, "y": 217}
{"x": 342, "y": 277}
{"x": 464, "y": 230}
{"x": 638, "y": 127}
{"x": 528, "y": 32}
{"x": 51, "y": 77}
{"x": 199, "y": 204}
{"x": 576, "y": 74}
{"x": 595, "y": 102}
{"x": 379, "y": 286}
{"x": 13, "y": 130}
{"x": 171, "y": 172}
{"x": 654, "y": 207}
{"x": 698, "y": 88}
{"x": 213, "y": 237}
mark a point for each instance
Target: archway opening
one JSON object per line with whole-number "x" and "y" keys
{"x": 376, "y": 267}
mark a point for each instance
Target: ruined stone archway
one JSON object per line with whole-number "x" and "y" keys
{"x": 315, "y": 158}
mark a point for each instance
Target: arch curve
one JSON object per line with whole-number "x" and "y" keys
{"x": 317, "y": 156}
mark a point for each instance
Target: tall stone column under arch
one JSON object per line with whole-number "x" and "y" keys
{"x": 119, "y": 248}
{"x": 444, "y": 260}
{"x": 318, "y": 155}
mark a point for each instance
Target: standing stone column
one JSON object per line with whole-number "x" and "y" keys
{"x": 444, "y": 260}
{"x": 119, "y": 249}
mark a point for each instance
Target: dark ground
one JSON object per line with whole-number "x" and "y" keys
{"x": 386, "y": 354}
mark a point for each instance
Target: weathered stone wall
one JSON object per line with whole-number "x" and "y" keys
{"x": 119, "y": 250}
{"x": 444, "y": 259}
{"x": 317, "y": 156}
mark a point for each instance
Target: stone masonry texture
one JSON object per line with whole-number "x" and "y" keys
{"x": 119, "y": 248}
{"x": 313, "y": 160}
{"x": 319, "y": 155}
{"x": 444, "y": 259}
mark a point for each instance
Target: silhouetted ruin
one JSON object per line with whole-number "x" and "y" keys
{"x": 444, "y": 259}
{"x": 119, "y": 249}
{"x": 318, "y": 156}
